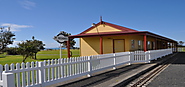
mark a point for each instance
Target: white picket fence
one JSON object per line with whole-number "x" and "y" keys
{"x": 174, "y": 49}
{"x": 49, "y": 72}
{"x": 180, "y": 49}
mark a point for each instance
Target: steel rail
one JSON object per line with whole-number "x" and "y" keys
{"x": 152, "y": 74}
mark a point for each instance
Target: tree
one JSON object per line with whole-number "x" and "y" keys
{"x": 25, "y": 49}
{"x": 71, "y": 41}
{"x": 12, "y": 51}
{"x": 6, "y": 38}
{"x": 181, "y": 43}
{"x": 30, "y": 47}
{"x": 38, "y": 45}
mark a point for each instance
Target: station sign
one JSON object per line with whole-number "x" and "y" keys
{"x": 60, "y": 38}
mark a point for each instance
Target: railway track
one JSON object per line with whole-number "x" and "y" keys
{"x": 143, "y": 81}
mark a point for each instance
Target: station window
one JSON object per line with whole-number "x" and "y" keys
{"x": 133, "y": 43}
{"x": 143, "y": 45}
{"x": 148, "y": 45}
{"x": 164, "y": 44}
{"x": 168, "y": 45}
{"x": 153, "y": 45}
{"x": 139, "y": 45}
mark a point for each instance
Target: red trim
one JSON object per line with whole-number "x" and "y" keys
{"x": 145, "y": 43}
{"x": 172, "y": 46}
{"x": 101, "y": 19}
{"x": 166, "y": 45}
{"x": 90, "y": 28}
{"x": 113, "y": 47}
{"x": 152, "y": 45}
{"x": 124, "y": 29}
{"x": 80, "y": 47}
{"x": 112, "y": 25}
{"x": 121, "y": 33}
{"x": 176, "y": 47}
{"x": 158, "y": 36}
{"x": 68, "y": 50}
{"x": 106, "y": 34}
{"x": 124, "y": 45}
{"x": 162, "y": 45}
{"x": 155, "y": 43}
{"x": 101, "y": 42}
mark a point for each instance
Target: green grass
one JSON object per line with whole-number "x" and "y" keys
{"x": 41, "y": 56}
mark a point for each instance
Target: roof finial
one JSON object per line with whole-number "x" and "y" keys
{"x": 100, "y": 19}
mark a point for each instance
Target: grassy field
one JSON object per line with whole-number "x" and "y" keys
{"x": 41, "y": 56}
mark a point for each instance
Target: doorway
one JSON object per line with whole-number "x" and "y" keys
{"x": 118, "y": 45}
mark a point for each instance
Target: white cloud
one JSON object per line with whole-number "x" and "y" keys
{"x": 51, "y": 45}
{"x": 47, "y": 45}
{"x": 27, "y": 4}
{"x": 14, "y": 43}
{"x": 77, "y": 42}
{"x": 15, "y": 27}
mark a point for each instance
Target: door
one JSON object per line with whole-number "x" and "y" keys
{"x": 118, "y": 45}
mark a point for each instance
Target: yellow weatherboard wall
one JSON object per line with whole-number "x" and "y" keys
{"x": 90, "y": 46}
{"x": 119, "y": 46}
{"x": 136, "y": 39}
{"x": 103, "y": 28}
{"x": 107, "y": 45}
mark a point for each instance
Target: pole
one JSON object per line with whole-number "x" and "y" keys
{"x": 101, "y": 44}
{"x": 60, "y": 51}
{"x": 145, "y": 43}
{"x": 155, "y": 43}
{"x": 68, "y": 50}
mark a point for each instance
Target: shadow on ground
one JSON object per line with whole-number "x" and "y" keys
{"x": 180, "y": 58}
{"x": 103, "y": 77}
{"x": 97, "y": 79}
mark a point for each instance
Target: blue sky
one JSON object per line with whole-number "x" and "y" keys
{"x": 44, "y": 19}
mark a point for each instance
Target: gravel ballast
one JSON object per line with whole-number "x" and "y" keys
{"x": 173, "y": 76}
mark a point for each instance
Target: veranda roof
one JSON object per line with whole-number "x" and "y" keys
{"x": 123, "y": 31}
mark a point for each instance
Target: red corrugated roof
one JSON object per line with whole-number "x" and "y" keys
{"x": 103, "y": 34}
{"x": 123, "y": 29}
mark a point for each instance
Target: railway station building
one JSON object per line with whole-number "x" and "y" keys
{"x": 104, "y": 38}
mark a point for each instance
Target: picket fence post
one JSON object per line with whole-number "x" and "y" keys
{"x": 89, "y": 66}
{"x": 1, "y": 70}
{"x": 131, "y": 57}
{"x": 8, "y": 78}
{"x": 41, "y": 74}
{"x": 147, "y": 55}
{"x": 114, "y": 61}
{"x": 146, "y": 58}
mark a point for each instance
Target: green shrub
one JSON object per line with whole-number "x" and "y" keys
{"x": 12, "y": 51}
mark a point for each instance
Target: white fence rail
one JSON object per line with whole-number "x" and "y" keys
{"x": 181, "y": 49}
{"x": 41, "y": 74}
